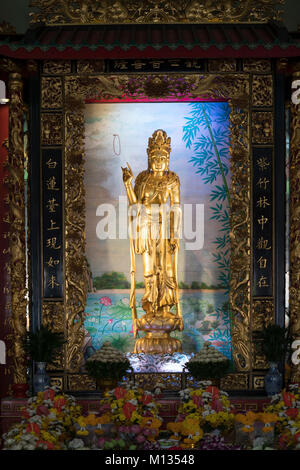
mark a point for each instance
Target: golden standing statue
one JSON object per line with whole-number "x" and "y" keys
{"x": 156, "y": 238}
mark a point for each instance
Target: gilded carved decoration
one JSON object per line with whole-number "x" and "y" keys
{"x": 154, "y": 11}
{"x": 17, "y": 223}
{"x": 262, "y": 90}
{"x": 75, "y": 263}
{"x": 295, "y": 225}
{"x": 78, "y": 382}
{"x": 235, "y": 382}
{"x": 51, "y": 92}
{"x": 57, "y": 67}
{"x": 234, "y": 87}
{"x": 7, "y": 28}
{"x": 256, "y": 65}
{"x": 263, "y": 314}
{"x": 53, "y": 316}
{"x": 262, "y": 127}
{"x": 222, "y": 65}
{"x": 90, "y": 66}
{"x": 258, "y": 382}
{"x": 51, "y": 129}
{"x": 168, "y": 381}
{"x": 57, "y": 382}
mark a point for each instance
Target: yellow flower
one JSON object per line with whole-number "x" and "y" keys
{"x": 174, "y": 427}
{"x": 122, "y": 417}
{"x": 48, "y": 437}
{"x": 82, "y": 432}
{"x": 135, "y": 416}
{"x": 247, "y": 428}
{"x": 267, "y": 429}
{"x": 91, "y": 419}
{"x": 130, "y": 395}
{"x": 104, "y": 419}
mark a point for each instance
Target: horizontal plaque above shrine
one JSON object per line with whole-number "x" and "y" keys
{"x": 154, "y": 11}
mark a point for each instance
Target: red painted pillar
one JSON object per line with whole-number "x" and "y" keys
{"x": 6, "y": 330}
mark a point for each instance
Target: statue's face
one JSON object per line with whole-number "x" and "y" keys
{"x": 159, "y": 161}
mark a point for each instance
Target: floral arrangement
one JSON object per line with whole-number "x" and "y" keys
{"x": 255, "y": 429}
{"x": 217, "y": 442}
{"x": 48, "y": 423}
{"x": 202, "y": 411}
{"x": 286, "y": 405}
{"x": 129, "y": 405}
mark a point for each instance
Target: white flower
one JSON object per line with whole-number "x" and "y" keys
{"x": 48, "y": 402}
{"x": 205, "y": 413}
{"x": 134, "y": 402}
{"x": 76, "y": 443}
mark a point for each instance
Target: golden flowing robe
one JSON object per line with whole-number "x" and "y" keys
{"x": 156, "y": 199}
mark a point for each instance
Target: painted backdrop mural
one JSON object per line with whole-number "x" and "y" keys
{"x": 117, "y": 133}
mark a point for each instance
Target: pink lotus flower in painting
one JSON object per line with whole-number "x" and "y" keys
{"x": 110, "y": 321}
{"x": 105, "y": 301}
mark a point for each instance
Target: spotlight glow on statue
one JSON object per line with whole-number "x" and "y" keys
{"x": 156, "y": 237}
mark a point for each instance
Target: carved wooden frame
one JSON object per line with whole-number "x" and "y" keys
{"x": 67, "y": 100}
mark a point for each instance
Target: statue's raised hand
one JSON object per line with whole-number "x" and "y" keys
{"x": 127, "y": 174}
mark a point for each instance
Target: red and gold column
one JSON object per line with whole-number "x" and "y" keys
{"x": 17, "y": 223}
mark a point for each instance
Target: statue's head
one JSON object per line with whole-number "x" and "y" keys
{"x": 159, "y": 148}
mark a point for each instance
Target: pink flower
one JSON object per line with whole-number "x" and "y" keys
{"x": 135, "y": 429}
{"x": 105, "y": 301}
{"x": 110, "y": 321}
{"x": 42, "y": 410}
{"x": 140, "y": 438}
{"x": 101, "y": 442}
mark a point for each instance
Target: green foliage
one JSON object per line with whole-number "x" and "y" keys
{"x": 120, "y": 310}
{"x": 105, "y": 370}
{"x": 211, "y": 158}
{"x": 183, "y": 285}
{"x": 120, "y": 342}
{"x": 112, "y": 280}
{"x": 43, "y": 344}
{"x": 207, "y": 370}
{"x": 139, "y": 285}
{"x": 275, "y": 342}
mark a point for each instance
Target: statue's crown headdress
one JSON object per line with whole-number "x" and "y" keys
{"x": 159, "y": 141}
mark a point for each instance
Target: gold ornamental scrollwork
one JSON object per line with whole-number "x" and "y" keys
{"x": 154, "y": 11}
{"x": 235, "y": 382}
{"x": 256, "y": 65}
{"x": 75, "y": 263}
{"x": 53, "y": 316}
{"x": 234, "y": 88}
{"x": 262, "y": 90}
{"x": 51, "y": 92}
{"x": 294, "y": 294}
{"x": 56, "y": 67}
{"x": 77, "y": 383}
{"x": 17, "y": 223}
{"x": 51, "y": 129}
{"x": 262, "y": 127}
